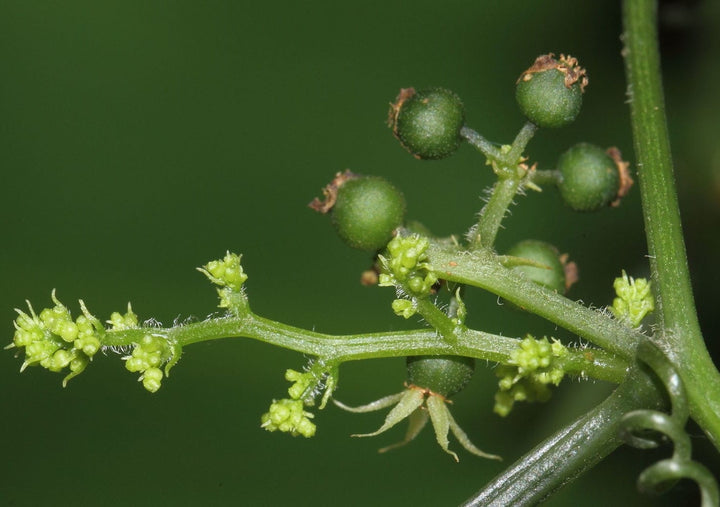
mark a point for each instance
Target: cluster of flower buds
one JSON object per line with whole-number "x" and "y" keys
{"x": 406, "y": 268}
{"x": 55, "y": 341}
{"x": 289, "y": 416}
{"x": 227, "y": 273}
{"x": 634, "y": 299}
{"x": 533, "y": 366}
{"x": 147, "y": 357}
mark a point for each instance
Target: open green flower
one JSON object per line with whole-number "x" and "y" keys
{"x": 443, "y": 376}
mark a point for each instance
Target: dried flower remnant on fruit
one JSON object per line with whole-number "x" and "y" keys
{"x": 330, "y": 192}
{"x": 626, "y": 181}
{"x": 405, "y": 94}
{"x": 550, "y": 92}
{"x": 568, "y": 65}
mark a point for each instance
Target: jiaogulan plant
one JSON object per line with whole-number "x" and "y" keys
{"x": 663, "y": 372}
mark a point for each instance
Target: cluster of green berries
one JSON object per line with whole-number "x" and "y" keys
{"x": 147, "y": 357}
{"x": 55, "y": 341}
{"x": 532, "y": 367}
{"x": 634, "y": 299}
{"x": 366, "y": 211}
{"x": 227, "y": 273}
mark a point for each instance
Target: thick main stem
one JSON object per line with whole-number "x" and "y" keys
{"x": 571, "y": 451}
{"x": 679, "y": 335}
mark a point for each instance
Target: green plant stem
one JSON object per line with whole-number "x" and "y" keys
{"x": 521, "y": 141}
{"x": 568, "y": 453}
{"x": 338, "y": 349}
{"x": 481, "y": 268}
{"x": 679, "y": 335}
{"x": 546, "y": 177}
{"x": 506, "y": 165}
{"x": 437, "y": 319}
{"x": 480, "y": 143}
{"x": 493, "y": 213}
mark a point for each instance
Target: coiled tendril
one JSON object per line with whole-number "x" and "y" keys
{"x": 645, "y": 429}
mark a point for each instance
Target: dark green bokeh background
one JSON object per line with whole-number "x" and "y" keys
{"x": 141, "y": 139}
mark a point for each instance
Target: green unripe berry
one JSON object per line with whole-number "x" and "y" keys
{"x": 365, "y": 210}
{"x": 443, "y": 375}
{"x": 549, "y": 93}
{"x": 552, "y": 272}
{"x": 427, "y": 123}
{"x": 592, "y": 178}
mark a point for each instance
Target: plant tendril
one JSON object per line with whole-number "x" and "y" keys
{"x": 646, "y": 429}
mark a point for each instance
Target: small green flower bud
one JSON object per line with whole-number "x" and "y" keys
{"x": 549, "y": 93}
{"x": 88, "y": 344}
{"x": 68, "y": 331}
{"x": 403, "y": 308}
{"x": 443, "y": 375}
{"x": 552, "y": 269}
{"x": 119, "y": 322}
{"x": 152, "y": 379}
{"x": 427, "y": 123}
{"x": 592, "y": 178}
{"x": 301, "y": 383}
{"x": 61, "y": 359}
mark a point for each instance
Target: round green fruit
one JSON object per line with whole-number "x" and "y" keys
{"x": 549, "y": 93}
{"x": 590, "y": 178}
{"x": 428, "y": 122}
{"x": 443, "y": 375}
{"x": 367, "y": 211}
{"x": 550, "y": 273}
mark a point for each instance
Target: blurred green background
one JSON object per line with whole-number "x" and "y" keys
{"x": 141, "y": 139}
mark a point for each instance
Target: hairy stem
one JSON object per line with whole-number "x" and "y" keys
{"x": 480, "y": 143}
{"x": 679, "y": 335}
{"x": 481, "y": 268}
{"x": 338, "y": 349}
{"x": 521, "y": 140}
{"x": 493, "y": 213}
